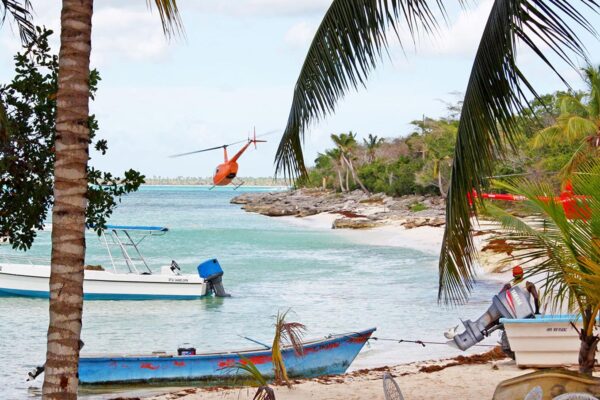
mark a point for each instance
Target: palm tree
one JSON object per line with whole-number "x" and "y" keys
{"x": 578, "y": 123}
{"x": 352, "y": 39}
{"x": 20, "y": 12}
{"x": 335, "y": 157}
{"x": 563, "y": 248}
{"x": 70, "y": 189}
{"x": 290, "y": 332}
{"x": 346, "y": 143}
{"x": 372, "y": 144}
{"x": 438, "y": 157}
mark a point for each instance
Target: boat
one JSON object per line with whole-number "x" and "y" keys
{"x": 129, "y": 276}
{"x": 544, "y": 341}
{"x": 329, "y": 356}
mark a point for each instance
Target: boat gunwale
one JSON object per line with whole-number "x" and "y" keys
{"x": 172, "y": 356}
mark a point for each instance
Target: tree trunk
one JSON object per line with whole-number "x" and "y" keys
{"x": 355, "y": 175}
{"x": 588, "y": 342}
{"x": 341, "y": 181}
{"x": 587, "y": 353}
{"x": 347, "y": 180}
{"x": 440, "y": 183}
{"x": 68, "y": 213}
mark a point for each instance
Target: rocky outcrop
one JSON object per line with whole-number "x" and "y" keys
{"x": 357, "y": 210}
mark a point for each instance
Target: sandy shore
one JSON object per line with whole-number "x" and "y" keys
{"x": 471, "y": 381}
{"x": 417, "y": 380}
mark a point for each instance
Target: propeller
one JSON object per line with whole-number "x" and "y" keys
{"x": 227, "y": 145}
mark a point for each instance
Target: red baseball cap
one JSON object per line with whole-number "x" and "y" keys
{"x": 518, "y": 270}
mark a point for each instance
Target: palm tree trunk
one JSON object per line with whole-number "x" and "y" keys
{"x": 347, "y": 180}
{"x": 355, "y": 175}
{"x": 340, "y": 178}
{"x": 68, "y": 213}
{"x": 440, "y": 183}
{"x": 588, "y": 342}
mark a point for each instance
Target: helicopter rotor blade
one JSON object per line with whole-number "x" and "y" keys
{"x": 197, "y": 151}
{"x": 224, "y": 145}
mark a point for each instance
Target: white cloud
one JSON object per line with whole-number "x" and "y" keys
{"x": 131, "y": 34}
{"x": 259, "y": 7}
{"x": 300, "y": 34}
{"x": 461, "y": 38}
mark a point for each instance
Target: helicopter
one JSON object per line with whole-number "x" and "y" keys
{"x": 226, "y": 172}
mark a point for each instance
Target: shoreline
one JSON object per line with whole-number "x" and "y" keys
{"x": 399, "y": 227}
{"x": 417, "y": 380}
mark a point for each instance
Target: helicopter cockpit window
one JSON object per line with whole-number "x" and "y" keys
{"x": 217, "y": 171}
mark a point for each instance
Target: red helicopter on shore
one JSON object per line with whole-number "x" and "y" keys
{"x": 574, "y": 205}
{"x": 227, "y": 171}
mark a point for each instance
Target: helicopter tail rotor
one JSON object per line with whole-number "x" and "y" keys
{"x": 254, "y": 140}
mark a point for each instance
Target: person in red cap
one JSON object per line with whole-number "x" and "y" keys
{"x": 518, "y": 280}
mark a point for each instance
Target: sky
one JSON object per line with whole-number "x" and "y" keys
{"x": 235, "y": 69}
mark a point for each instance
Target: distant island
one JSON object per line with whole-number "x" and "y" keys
{"x": 194, "y": 180}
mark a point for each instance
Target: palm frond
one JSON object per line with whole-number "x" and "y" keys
{"x": 169, "y": 16}
{"x": 495, "y": 95}
{"x": 592, "y": 76}
{"x": 285, "y": 331}
{"x": 292, "y": 332}
{"x": 20, "y": 11}
{"x": 563, "y": 253}
{"x": 246, "y": 365}
{"x": 348, "y": 44}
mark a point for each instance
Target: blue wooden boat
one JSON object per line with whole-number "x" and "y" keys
{"x": 329, "y": 356}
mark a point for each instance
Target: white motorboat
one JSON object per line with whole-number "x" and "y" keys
{"x": 544, "y": 341}
{"x": 129, "y": 279}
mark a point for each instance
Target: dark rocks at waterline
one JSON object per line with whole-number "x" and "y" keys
{"x": 357, "y": 210}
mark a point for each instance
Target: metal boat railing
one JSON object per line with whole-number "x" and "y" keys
{"x": 21, "y": 259}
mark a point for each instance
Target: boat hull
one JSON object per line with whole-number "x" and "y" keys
{"x": 33, "y": 281}
{"x": 547, "y": 341}
{"x": 330, "y": 356}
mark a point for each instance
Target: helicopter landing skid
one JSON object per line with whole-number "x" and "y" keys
{"x": 237, "y": 185}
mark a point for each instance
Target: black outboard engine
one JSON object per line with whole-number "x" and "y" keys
{"x": 212, "y": 273}
{"x": 512, "y": 303}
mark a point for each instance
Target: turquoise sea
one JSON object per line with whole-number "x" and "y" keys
{"x": 331, "y": 285}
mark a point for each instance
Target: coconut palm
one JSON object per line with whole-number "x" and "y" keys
{"x": 70, "y": 189}
{"x": 285, "y": 332}
{"x": 372, "y": 144}
{"x": 578, "y": 123}
{"x": 563, "y": 248}
{"x": 346, "y": 143}
{"x": 350, "y": 42}
{"x": 249, "y": 369}
{"x": 438, "y": 157}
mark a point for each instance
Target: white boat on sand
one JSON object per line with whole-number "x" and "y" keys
{"x": 135, "y": 280}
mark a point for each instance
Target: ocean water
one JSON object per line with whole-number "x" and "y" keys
{"x": 330, "y": 284}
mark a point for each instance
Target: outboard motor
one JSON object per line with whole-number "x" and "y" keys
{"x": 212, "y": 273}
{"x": 512, "y": 303}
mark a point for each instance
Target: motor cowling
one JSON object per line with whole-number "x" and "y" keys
{"x": 211, "y": 272}
{"x": 512, "y": 303}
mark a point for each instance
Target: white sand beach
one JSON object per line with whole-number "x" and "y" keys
{"x": 454, "y": 382}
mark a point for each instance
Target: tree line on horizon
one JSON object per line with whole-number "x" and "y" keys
{"x": 555, "y": 134}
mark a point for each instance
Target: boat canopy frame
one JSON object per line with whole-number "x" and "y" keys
{"x": 119, "y": 236}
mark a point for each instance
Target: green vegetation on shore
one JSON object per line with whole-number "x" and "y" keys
{"x": 556, "y": 133}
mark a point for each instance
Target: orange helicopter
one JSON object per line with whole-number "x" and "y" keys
{"x": 226, "y": 172}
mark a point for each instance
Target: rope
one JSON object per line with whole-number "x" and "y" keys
{"x": 421, "y": 342}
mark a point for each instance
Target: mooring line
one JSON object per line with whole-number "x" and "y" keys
{"x": 421, "y": 342}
